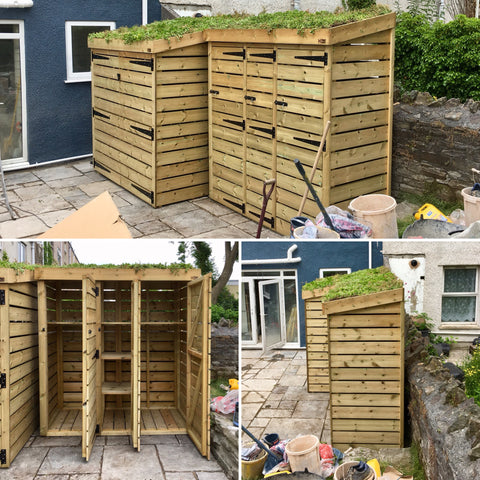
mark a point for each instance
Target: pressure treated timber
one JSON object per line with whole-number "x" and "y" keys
{"x": 270, "y": 97}
{"x": 150, "y": 117}
{"x": 355, "y": 351}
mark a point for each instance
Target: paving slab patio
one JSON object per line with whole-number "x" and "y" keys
{"x": 275, "y": 397}
{"x": 43, "y": 196}
{"x": 169, "y": 457}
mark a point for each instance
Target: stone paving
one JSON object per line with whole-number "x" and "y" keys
{"x": 43, "y": 196}
{"x": 163, "y": 457}
{"x": 275, "y": 397}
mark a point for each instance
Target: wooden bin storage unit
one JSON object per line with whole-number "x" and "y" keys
{"x": 124, "y": 353}
{"x": 18, "y": 362}
{"x": 270, "y": 97}
{"x": 365, "y": 367}
{"x": 150, "y": 128}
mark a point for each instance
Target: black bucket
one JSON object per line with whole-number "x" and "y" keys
{"x": 296, "y": 222}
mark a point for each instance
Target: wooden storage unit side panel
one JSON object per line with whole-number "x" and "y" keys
{"x": 360, "y": 114}
{"x": 317, "y": 346}
{"x": 366, "y": 369}
{"x": 300, "y": 123}
{"x": 181, "y": 350}
{"x": 123, "y": 105}
{"x": 181, "y": 124}
{"x": 23, "y": 365}
{"x": 227, "y": 125}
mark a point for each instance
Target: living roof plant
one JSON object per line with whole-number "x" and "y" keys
{"x": 301, "y": 21}
{"x": 362, "y": 282}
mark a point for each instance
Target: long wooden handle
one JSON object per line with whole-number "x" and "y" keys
{"x": 315, "y": 163}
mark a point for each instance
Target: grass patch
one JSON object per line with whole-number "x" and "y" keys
{"x": 216, "y": 390}
{"x": 445, "y": 206}
{"x": 362, "y": 282}
{"x": 403, "y": 223}
{"x": 301, "y": 21}
{"x": 417, "y": 468}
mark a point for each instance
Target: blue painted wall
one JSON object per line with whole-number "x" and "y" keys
{"x": 352, "y": 254}
{"x": 59, "y": 113}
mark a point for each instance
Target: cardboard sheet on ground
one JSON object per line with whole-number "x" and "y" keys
{"x": 99, "y": 218}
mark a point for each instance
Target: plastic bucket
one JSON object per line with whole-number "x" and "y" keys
{"x": 252, "y": 470}
{"x": 342, "y": 471}
{"x": 471, "y": 206}
{"x": 303, "y": 454}
{"x": 321, "y": 233}
{"x": 296, "y": 222}
{"x": 378, "y": 212}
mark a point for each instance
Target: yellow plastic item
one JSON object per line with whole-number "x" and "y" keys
{"x": 283, "y": 472}
{"x": 376, "y": 466}
{"x": 233, "y": 382}
{"x": 430, "y": 212}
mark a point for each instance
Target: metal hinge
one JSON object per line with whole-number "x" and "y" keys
{"x": 3, "y": 457}
{"x": 149, "y": 132}
{"x": 271, "y": 221}
{"x": 96, "y": 113}
{"x": 311, "y": 142}
{"x": 240, "y": 206}
{"x": 97, "y": 354}
{"x": 145, "y": 192}
{"x": 214, "y": 92}
{"x": 249, "y": 97}
{"x": 145, "y": 63}
{"x": 272, "y": 55}
{"x": 314, "y": 58}
{"x": 234, "y": 122}
{"x": 236, "y": 54}
{"x": 95, "y": 291}
{"x": 270, "y": 131}
{"x": 99, "y": 165}
{"x": 97, "y": 428}
{"x": 2, "y": 297}
{"x": 3, "y": 380}
{"x": 282, "y": 104}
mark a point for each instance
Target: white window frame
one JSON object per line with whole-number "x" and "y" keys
{"x": 75, "y": 77}
{"x": 340, "y": 271}
{"x": 22, "y": 252}
{"x": 476, "y": 294}
{"x": 59, "y": 256}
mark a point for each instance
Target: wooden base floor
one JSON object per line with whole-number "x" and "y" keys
{"x": 65, "y": 422}
{"x": 68, "y": 422}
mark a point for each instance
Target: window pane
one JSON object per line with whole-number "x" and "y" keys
{"x": 290, "y": 293}
{"x": 80, "y": 50}
{"x": 459, "y": 280}
{"x": 9, "y": 28}
{"x": 458, "y": 309}
{"x": 245, "y": 316}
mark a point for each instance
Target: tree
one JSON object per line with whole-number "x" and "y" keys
{"x": 182, "y": 252}
{"x": 231, "y": 255}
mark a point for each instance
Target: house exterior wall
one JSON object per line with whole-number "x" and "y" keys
{"x": 59, "y": 113}
{"x": 437, "y": 255}
{"x": 315, "y": 255}
{"x": 34, "y": 252}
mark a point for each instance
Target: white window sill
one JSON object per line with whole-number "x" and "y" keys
{"x": 16, "y": 3}
{"x": 458, "y": 326}
{"x": 79, "y": 80}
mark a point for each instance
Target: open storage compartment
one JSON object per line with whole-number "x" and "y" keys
{"x": 124, "y": 353}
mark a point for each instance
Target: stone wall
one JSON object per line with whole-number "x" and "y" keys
{"x": 445, "y": 424}
{"x": 224, "y": 352}
{"x": 435, "y": 145}
{"x": 224, "y": 443}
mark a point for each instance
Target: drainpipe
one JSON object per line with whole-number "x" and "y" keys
{"x": 264, "y": 261}
{"x": 144, "y": 12}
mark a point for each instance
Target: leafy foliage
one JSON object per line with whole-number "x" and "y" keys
{"x": 362, "y": 282}
{"x": 471, "y": 368}
{"x": 357, "y": 4}
{"x": 302, "y": 21}
{"x": 219, "y": 312}
{"x": 440, "y": 58}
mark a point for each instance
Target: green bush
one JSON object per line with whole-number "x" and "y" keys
{"x": 471, "y": 368}
{"x": 218, "y": 311}
{"x": 440, "y": 58}
{"x": 358, "y": 4}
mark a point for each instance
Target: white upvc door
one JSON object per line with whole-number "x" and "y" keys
{"x": 271, "y": 314}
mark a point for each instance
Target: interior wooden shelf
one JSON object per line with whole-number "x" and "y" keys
{"x": 117, "y": 355}
{"x": 163, "y": 323}
{"x": 65, "y": 323}
{"x": 116, "y": 388}
{"x": 116, "y": 323}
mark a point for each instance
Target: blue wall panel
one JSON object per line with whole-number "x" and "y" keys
{"x": 59, "y": 113}
{"x": 315, "y": 255}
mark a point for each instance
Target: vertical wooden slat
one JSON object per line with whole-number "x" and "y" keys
{"x": 100, "y": 348}
{"x": 327, "y": 113}
{"x": 43, "y": 355}
{"x": 135, "y": 364}
{"x": 390, "y": 113}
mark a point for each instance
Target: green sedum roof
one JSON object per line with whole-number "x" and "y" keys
{"x": 301, "y": 21}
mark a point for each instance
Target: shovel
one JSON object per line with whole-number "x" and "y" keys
{"x": 301, "y": 170}
{"x": 272, "y": 459}
{"x": 266, "y": 197}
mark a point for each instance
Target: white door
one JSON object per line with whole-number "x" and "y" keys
{"x": 13, "y": 130}
{"x": 271, "y": 309}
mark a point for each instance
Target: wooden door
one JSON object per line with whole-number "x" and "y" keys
{"x": 4, "y": 381}
{"x": 89, "y": 365}
{"x": 135, "y": 365}
{"x": 198, "y": 363}
{"x": 260, "y": 129}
